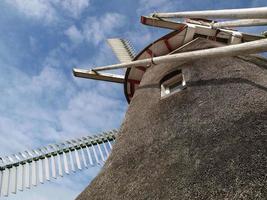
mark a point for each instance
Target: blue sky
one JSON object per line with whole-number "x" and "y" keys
{"x": 41, "y": 102}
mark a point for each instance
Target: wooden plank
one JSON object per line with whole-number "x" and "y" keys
{"x": 41, "y": 170}
{"x": 1, "y": 178}
{"x": 109, "y": 144}
{"x": 101, "y": 153}
{"x": 89, "y": 74}
{"x": 83, "y": 158}
{"x": 161, "y": 23}
{"x": 65, "y": 161}
{"x": 59, "y": 165}
{"x": 13, "y": 180}
{"x": 95, "y": 154}
{"x": 257, "y": 46}
{"x": 241, "y": 23}
{"x": 53, "y": 167}
{"x": 89, "y": 155}
{"x": 27, "y": 180}
{"x": 240, "y": 13}
{"x": 5, "y": 182}
{"x": 78, "y": 161}
{"x": 34, "y": 173}
{"x": 20, "y": 175}
{"x": 47, "y": 169}
{"x": 71, "y": 162}
{"x": 106, "y": 149}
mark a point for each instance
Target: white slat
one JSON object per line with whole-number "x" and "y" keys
{"x": 71, "y": 162}
{"x": 106, "y": 149}
{"x": 110, "y": 146}
{"x": 5, "y": 182}
{"x": 47, "y": 169}
{"x": 66, "y": 166}
{"x": 20, "y": 177}
{"x": 41, "y": 171}
{"x": 35, "y": 169}
{"x": 27, "y": 175}
{"x": 13, "y": 180}
{"x": 34, "y": 173}
{"x": 1, "y": 178}
{"x": 101, "y": 153}
{"x": 53, "y": 167}
{"x": 83, "y": 158}
{"x": 59, "y": 164}
{"x": 96, "y": 157}
{"x": 12, "y": 176}
{"x": 77, "y": 157}
{"x": 32, "y": 169}
{"x": 89, "y": 155}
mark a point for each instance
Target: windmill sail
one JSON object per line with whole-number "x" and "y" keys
{"x": 30, "y": 168}
{"x": 123, "y": 49}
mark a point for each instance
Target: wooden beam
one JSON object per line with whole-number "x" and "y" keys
{"x": 240, "y": 23}
{"x": 257, "y": 46}
{"x": 89, "y": 74}
{"x": 201, "y": 25}
{"x": 245, "y": 13}
{"x": 155, "y": 22}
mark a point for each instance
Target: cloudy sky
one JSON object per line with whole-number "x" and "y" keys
{"x": 40, "y": 101}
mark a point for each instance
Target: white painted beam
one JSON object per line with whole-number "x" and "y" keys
{"x": 240, "y": 23}
{"x": 161, "y": 23}
{"x": 244, "y": 13}
{"x": 231, "y": 50}
{"x": 82, "y": 73}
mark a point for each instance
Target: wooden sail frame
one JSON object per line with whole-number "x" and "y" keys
{"x": 160, "y": 50}
{"x": 240, "y": 13}
{"x": 31, "y": 168}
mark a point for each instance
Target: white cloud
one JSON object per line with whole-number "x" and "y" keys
{"x": 149, "y": 6}
{"x": 37, "y": 9}
{"x": 74, "y": 7}
{"x": 50, "y": 106}
{"x": 74, "y": 34}
{"x": 89, "y": 110}
{"x": 33, "y": 44}
{"x": 28, "y": 107}
{"x": 94, "y": 30}
{"x": 49, "y": 10}
{"x": 28, "y": 121}
{"x": 141, "y": 37}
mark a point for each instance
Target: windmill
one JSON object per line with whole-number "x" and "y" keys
{"x": 181, "y": 89}
{"x": 196, "y": 123}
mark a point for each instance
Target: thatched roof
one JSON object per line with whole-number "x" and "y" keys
{"x": 206, "y": 142}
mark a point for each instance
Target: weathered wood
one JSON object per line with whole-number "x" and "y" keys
{"x": 240, "y": 23}
{"x": 245, "y": 13}
{"x": 82, "y": 73}
{"x": 161, "y": 23}
{"x": 232, "y": 50}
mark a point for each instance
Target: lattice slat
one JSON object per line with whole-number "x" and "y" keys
{"x": 30, "y": 168}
